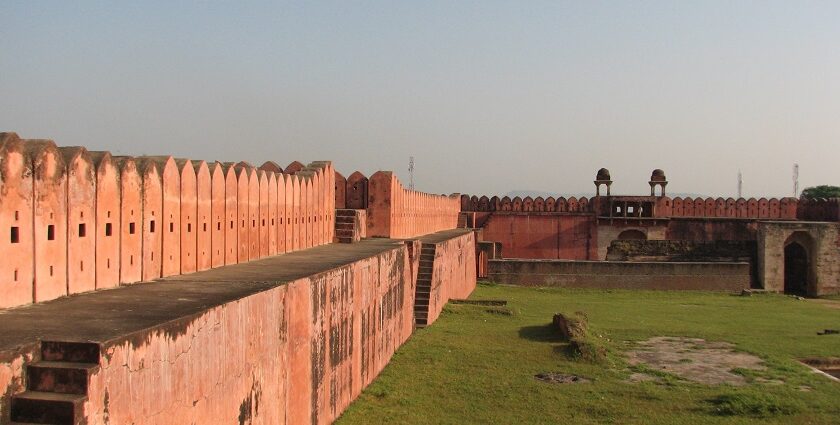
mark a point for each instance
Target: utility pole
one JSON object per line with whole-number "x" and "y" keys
{"x": 740, "y": 184}
{"x": 411, "y": 172}
{"x": 795, "y": 180}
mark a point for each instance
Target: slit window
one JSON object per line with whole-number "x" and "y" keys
{"x": 189, "y": 227}
{"x": 205, "y": 227}
{"x": 108, "y": 229}
{"x": 152, "y": 227}
{"x": 82, "y": 230}
{"x": 15, "y": 234}
{"x": 51, "y": 232}
{"x": 131, "y": 228}
{"x": 171, "y": 227}
{"x": 219, "y": 225}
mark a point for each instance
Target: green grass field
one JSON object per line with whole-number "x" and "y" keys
{"x": 476, "y": 364}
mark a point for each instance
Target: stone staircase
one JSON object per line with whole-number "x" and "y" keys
{"x": 462, "y": 220}
{"x": 424, "y": 285}
{"x": 57, "y": 385}
{"x": 346, "y": 226}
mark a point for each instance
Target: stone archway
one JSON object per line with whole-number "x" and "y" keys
{"x": 796, "y": 269}
{"x": 799, "y": 272}
{"x": 632, "y": 234}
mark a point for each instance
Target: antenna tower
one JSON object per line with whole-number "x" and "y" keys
{"x": 411, "y": 172}
{"x": 740, "y": 184}
{"x": 795, "y": 180}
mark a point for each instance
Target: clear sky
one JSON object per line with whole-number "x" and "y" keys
{"x": 487, "y": 96}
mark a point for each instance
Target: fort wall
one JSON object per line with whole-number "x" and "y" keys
{"x": 715, "y": 276}
{"x": 94, "y": 221}
{"x": 396, "y": 212}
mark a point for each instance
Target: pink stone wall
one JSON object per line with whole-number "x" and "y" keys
{"x": 189, "y": 199}
{"x": 107, "y": 243}
{"x": 242, "y": 222}
{"x": 396, "y": 212}
{"x": 50, "y": 219}
{"x": 253, "y": 221}
{"x": 231, "y": 223}
{"x": 264, "y": 220}
{"x": 218, "y": 221}
{"x": 340, "y": 191}
{"x": 131, "y": 236}
{"x": 453, "y": 274}
{"x": 295, "y": 354}
{"x": 152, "y": 204}
{"x": 16, "y": 206}
{"x": 204, "y": 215}
{"x": 171, "y": 216}
{"x": 79, "y": 221}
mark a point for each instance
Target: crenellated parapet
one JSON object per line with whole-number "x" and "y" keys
{"x": 819, "y": 209}
{"x": 658, "y": 206}
{"x": 396, "y": 212}
{"x": 79, "y": 221}
{"x": 549, "y": 204}
{"x": 762, "y": 208}
{"x": 393, "y": 210}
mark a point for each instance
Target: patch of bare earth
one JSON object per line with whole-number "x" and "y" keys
{"x": 694, "y": 359}
{"x": 827, "y": 302}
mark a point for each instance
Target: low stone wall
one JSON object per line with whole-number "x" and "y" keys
{"x": 454, "y": 273}
{"x": 288, "y": 339}
{"x": 621, "y": 275}
{"x": 681, "y": 251}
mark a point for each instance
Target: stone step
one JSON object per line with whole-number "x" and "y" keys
{"x": 345, "y": 220}
{"x": 345, "y": 233}
{"x": 48, "y": 408}
{"x": 74, "y": 352}
{"x": 59, "y": 377}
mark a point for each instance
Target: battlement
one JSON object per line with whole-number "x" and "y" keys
{"x": 96, "y": 221}
{"x": 394, "y": 211}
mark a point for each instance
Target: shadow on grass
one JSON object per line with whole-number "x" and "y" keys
{"x": 540, "y": 333}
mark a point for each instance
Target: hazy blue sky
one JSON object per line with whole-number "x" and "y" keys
{"x": 488, "y": 96}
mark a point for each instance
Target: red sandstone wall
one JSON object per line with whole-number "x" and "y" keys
{"x": 93, "y": 221}
{"x": 715, "y": 276}
{"x": 16, "y": 206}
{"x": 453, "y": 274}
{"x": 296, "y": 354}
{"x": 528, "y": 204}
{"x": 396, "y": 212}
{"x": 771, "y": 209}
{"x": 107, "y": 189}
{"x": 568, "y": 236}
{"x": 81, "y": 220}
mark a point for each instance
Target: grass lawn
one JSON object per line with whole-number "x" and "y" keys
{"x": 475, "y": 365}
